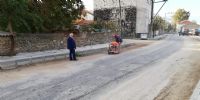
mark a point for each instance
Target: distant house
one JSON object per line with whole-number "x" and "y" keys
{"x": 188, "y": 26}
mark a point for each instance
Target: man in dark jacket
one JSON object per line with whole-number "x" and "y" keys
{"x": 71, "y": 45}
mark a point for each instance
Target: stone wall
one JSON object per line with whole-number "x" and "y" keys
{"x": 85, "y": 39}
{"x": 5, "y": 45}
{"x": 41, "y": 42}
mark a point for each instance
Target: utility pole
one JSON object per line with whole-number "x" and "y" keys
{"x": 151, "y": 24}
{"x": 120, "y": 18}
{"x": 152, "y": 16}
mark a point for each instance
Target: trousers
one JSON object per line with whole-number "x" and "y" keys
{"x": 72, "y": 54}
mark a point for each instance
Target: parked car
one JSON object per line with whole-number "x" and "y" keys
{"x": 197, "y": 32}
{"x": 191, "y": 32}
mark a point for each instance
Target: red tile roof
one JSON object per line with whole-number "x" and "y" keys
{"x": 185, "y": 22}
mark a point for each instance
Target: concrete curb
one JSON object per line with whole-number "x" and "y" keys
{"x": 196, "y": 93}
{"x": 13, "y": 63}
{"x": 160, "y": 37}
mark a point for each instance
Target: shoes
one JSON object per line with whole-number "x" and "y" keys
{"x": 73, "y": 59}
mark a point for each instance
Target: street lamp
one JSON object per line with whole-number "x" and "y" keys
{"x": 152, "y": 11}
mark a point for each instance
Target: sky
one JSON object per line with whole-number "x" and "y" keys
{"x": 193, "y": 6}
{"x": 88, "y": 4}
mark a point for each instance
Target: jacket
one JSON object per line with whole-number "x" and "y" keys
{"x": 71, "y": 44}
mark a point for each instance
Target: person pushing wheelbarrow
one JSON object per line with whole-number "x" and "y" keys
{"x": 114, "y": 46}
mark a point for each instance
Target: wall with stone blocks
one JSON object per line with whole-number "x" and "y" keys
{"x": 5, "y": 45}
{"x": 41, "y": 42}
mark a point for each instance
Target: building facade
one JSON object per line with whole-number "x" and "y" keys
{"x": 135, "y": 14}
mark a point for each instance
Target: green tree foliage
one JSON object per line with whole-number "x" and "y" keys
{"x": 58, "y": 14}
{"x": 38, "y": 15}
{"x": 169, "y": 27}
{"x": 181, "y": 15}
{"x": 106, "y": 26}
{"x": 11, "y": 16}
{"x": 158, "y": 23}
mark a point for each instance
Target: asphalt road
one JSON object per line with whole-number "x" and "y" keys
{"x": 87, "y": 79}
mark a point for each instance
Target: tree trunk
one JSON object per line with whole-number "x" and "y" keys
{"x": 12, "y": 49}
{"x": 10, "y": 25}
{"x": 153, "y": 33}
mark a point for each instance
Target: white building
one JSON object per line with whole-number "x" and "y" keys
{"x": 134, "y": 12}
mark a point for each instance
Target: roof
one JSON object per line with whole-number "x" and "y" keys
{"x": 185, "y": 22}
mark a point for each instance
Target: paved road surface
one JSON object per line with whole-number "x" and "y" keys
{"x": 133, "y": 75}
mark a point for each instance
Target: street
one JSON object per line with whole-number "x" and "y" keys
{"x": 164, "y": 70}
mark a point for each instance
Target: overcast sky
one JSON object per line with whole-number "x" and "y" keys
{"x": 88, "y": 4}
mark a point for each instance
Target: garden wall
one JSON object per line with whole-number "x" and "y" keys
{"x": 41, "y": 42}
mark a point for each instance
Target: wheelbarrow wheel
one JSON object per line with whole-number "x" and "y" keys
{"x": 109, "y": 51}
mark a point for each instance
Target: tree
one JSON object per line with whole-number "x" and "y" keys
{"x": 38, "y": 15}
{"x": 57, "y": 14}
{"x": 181, "y": 15}
{"x": 158, "y": 23}
{"x": 169, "y": 27}
{"x": 11, "y": 13}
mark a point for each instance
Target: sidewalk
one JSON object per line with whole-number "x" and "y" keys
{"x": 196, "y": 93}
{"x": 38, "y": 57}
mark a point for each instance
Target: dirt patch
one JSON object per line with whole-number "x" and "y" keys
{"x": 183, "y": 82}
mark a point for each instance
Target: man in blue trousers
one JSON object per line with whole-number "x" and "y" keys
{"x": 71, "y": 45}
